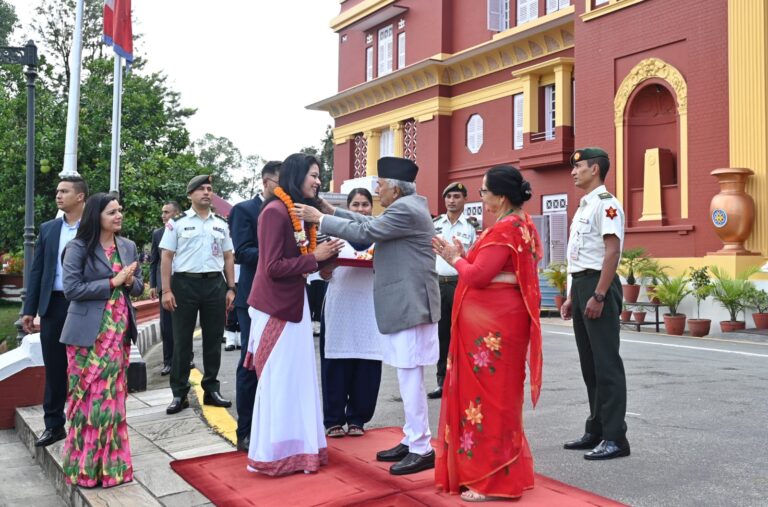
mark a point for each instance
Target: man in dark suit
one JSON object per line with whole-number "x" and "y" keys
{"x": 243, "y": 220}
{"x": 170, "y": 210}
{"x": 45, "y": 297}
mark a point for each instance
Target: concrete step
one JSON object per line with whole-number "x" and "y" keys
{"x": 22, "y": 480}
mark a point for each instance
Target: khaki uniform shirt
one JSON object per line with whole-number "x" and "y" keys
{"x": 199, "y": 243}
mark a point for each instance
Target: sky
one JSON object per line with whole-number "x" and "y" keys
{"x": 249, "y": 66}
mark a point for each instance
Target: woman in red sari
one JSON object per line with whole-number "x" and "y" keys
{"x": 482, "y": 452}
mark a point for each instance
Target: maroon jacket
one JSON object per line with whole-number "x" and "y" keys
{"x": 279, "y": 287}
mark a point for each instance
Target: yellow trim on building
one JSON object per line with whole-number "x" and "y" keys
{"x": 543, "y": 20}
{"x": 358, "y": 12}
{"x": 652, "y": 205}
{"x": 530, "y": 103}
{"x": 563, "y": 94}
{"x": 650, "y": 68}
{"x": 731, "y": 264}
{"x": 373, "y": 149}
{"x": 612, "y": 6}
{"x": 399, "y": 134}
{"x": 748, "y": 104}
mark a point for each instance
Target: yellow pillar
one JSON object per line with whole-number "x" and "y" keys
{"x": 748, "y": 104}
{"x": 372, "y": 139}
{"x": 563, "y": 95}
{"x": 652, "y": 186}
{"x": 530, "y": 103}
{"x": 397, "y": 131}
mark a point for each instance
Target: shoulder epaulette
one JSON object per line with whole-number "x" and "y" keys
{"x": 473, "y": 222}
{"x": 438, "y": 217}
{"x": 223, "y": 219}
{"x": 179, "y": 217}
{"x": 605, "y": 195}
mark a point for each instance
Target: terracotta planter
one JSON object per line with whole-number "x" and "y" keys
{"x": 761, "y": 320}
{"x": 699, "y": 327}
{"x": 626, "y": 315}
{"x": 674, "y": 324}
{"x": 726, "y": 326}
{"x": 650, "y": 291}
{"x": 147, "y": 310}
{"x": 639, "y": 317}
{"x": 631, "y": 292}
{"x": 559, "y": 300}
{"x": 732, "y": 211}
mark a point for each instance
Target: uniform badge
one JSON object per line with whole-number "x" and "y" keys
{"x": 215, "y": 250}
{"x": 611, "y": 212}
{"x": 169, "y": 225}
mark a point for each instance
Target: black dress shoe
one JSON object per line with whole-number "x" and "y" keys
{"x": 413, "y": 463}
{"x": 436, "y": 394}
{"x": 229, "y": 348}
{"x": 397, "y": 453}
{"x": 50, "y": 436}
{"x": 178, "y": 404}
{"x": 216, "y": 400}
{"x": 609, "y": 449}
{"x": 166, "y": 370}
{"x": 243, "y": 444}
{"x": 587, "y": 441}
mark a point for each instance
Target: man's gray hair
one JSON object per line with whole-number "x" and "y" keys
{"x": 406, "y": 187}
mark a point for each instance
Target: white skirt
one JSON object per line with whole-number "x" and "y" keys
{"x": 287, "y": 432}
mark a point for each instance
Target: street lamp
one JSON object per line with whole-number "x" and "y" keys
{"x": 26, "y": 55}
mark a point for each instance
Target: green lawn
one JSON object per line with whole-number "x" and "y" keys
{"x": 9, "y": 314}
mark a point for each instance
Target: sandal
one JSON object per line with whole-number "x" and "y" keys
{"x": 335, "y": 432}
{"x": 473, "y": 496}
{"x": 355, "y": 431}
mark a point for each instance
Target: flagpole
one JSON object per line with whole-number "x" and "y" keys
{"x": 117, "y": 102}
{"x": 73, "y": 108}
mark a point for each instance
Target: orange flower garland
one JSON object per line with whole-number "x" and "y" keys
{"x": 298, "y": 232}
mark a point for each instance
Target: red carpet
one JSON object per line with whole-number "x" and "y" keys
{"x": 352, "y": 477}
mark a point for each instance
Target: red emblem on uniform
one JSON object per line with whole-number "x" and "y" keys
{"x": 611, "y": 213}
{"x": 169, "y": 226}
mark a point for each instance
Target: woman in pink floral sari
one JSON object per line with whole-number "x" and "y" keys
{"x": 99, "y": 274}
{"x": 482, "y": 452}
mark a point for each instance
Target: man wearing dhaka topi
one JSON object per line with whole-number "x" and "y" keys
{"x": 405, "y": 293}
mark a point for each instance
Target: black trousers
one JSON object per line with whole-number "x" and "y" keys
{"x": 447, "y": 291}
{"x": 601, "y": 366}
{"x": 350, "y": 388}
{"x": 245, "y": 379}
{"x": 166, "y": 332}
{"x": 55, "y": 361}
{"x": 316, "y": 296}
{"x": 205, "y": 296}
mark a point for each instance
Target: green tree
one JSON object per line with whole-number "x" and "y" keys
{"x": 250, "y": 184}
{"x": 8, "y": 21}
{"x": 327, "y": 156}
{"x": 219, "y": 157}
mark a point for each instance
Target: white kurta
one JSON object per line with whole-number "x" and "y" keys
{"x": 350, "y": 323}
{"x": 412, "y": 347}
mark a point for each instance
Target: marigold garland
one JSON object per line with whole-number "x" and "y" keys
{"x": 298, "y": 233}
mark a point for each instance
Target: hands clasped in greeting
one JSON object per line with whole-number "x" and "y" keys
{"x": 451, "y": 252}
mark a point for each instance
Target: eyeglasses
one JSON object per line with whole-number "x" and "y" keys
{"x": 482, "y": 192}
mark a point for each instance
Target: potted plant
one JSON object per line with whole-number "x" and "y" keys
{"x": 654, "y": 273}
{"x": 758, "y": 299}
{"x": 626, "y": 313}
{"x": 12, "y": 272}
{"x": 732, "y": 295}
{"x": 631, "y": 262}
{"x": 638, "y": 316}
{"x": 671, "y": 293}
{"x": 702, "y": 288}
{"x": 557, "y": 275}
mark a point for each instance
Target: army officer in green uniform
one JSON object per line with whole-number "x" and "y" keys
{"x": 197, "y": 245}
{"x": 594, "y": 302}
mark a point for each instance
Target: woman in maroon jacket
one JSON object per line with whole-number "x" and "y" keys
{"x": 287, "y": 431}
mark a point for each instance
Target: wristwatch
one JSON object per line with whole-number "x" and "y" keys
{"x": 233, "y": 289}
{"x": 599, "y": 297}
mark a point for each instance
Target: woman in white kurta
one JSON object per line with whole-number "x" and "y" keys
{"x": 350, "y": 342}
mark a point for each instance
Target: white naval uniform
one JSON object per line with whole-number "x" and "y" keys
{"x": 599, "y": 214}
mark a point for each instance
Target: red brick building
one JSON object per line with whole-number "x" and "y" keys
{"x": 462, "y": 85}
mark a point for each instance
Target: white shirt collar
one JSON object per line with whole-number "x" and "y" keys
{"x": 593, "y": 194}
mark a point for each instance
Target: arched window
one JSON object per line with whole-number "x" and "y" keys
{"x": 474, "y": 133}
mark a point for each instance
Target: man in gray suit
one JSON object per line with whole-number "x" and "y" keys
{"x": 405, "y": 293}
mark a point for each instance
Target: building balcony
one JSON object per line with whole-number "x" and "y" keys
{"x": 546, "y": 149}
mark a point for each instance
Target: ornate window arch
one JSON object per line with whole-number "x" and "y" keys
{"x": 646, "y": 69}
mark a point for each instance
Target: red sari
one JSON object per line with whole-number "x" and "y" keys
{"x": 482, "y": 445}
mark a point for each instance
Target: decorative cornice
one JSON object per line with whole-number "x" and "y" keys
{"x": 358, "y": 12}
{"x": 600, "y": 11}
{"x": 492, "y": 57}
{"x": 648, "y": 69}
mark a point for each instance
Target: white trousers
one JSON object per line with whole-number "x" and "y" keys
{"x": 233, "y": 338}
{"x": 417, "y": 434}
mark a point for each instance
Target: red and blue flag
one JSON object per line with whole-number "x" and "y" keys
{"x": 118, "y": 31}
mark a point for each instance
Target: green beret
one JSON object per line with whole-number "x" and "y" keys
{"x": 455, "y": 187}
{"x": 587, "y": 153}
{"x": 197, "y": 181}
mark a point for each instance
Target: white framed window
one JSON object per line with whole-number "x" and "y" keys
{"x": 401, "y": 50}
{"x": 369, "y": 63}
{"x": 556, "y": 5}
{"x": 474, "y": 133}
{"x": 517, "y": 104}
{"x": 387, "y": 143}
{"x": 549, "y": 112}
{"x": 498, "y": 15}
{"x": 600, "y": 2}
{"x": 385, "y": 51}
{"x": 527, "y": 10}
